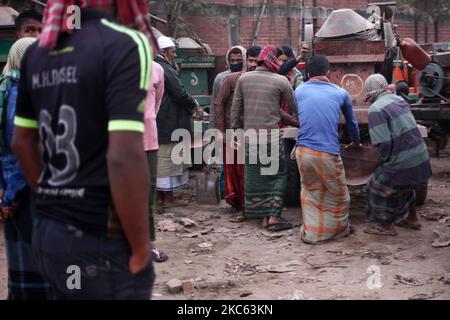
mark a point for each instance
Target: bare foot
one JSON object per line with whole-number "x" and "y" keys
{"x": 273, "y": 220}
{"x": 408, "y": 223}
{"x": 380, "y": 229}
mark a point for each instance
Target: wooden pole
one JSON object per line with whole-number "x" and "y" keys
{"x": 301, "y": 25}
{"x": 315, "y": 15}
{"x": 289, "y": 21}
{"x": 416, "y": 21}
{"x": 258, "y": 23}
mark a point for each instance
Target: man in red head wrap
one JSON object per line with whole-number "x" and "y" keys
{"x": 256, "y": 106}
{"x": 81, "y": 98}
{"x": 131, "y": 13}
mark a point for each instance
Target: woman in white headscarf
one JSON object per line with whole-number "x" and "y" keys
{"x": 24, "y": 280}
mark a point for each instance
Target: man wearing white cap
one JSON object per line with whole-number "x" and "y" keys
{"x": 176, "y": 109}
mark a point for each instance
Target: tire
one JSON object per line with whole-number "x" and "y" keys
{"x": 421, "y": 193}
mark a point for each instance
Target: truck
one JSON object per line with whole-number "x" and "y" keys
{"x": 358, "y": 47}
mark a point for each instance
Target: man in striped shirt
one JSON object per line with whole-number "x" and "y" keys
{"x": 256, "y": 105}
{"x": 404, "y": 160}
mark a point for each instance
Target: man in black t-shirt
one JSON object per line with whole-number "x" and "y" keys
{"x": 81, "y": 98}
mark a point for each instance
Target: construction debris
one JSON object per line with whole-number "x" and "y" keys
{"x": 447, "y": 278}
{"x": 434, "y": 215}
{"x": 169, "y": 225}
{"x": 244, "y": 269}
{"x": 281, "y": 267}
{"x": 441, "y": 239}
{"x": 272, "y": 235}
{"x": 298, "y": 295}
{"x": 408, "y": 280}
{"x": 245, "y": 294}
{"x": 174, "y": 286}
{"x": 188, "y": 287}
{"x": 186, "y": 222}
{"x": 204, "y": 245}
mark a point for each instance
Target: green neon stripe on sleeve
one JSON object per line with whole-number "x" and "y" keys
{"x": 125, "y": 125}
{"x": 142, "y": 57}
{"x": 26, "y": 123}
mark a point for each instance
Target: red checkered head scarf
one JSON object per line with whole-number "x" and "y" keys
{"x": 132, "y": 13}
{"x": 268, "y": 56}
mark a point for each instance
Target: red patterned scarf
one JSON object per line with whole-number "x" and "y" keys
{"x": 132, "y": 13}
{"x": 269, "y": 57}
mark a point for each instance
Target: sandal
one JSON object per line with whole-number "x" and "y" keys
{"x": 405, "y": 223}
{"x": 282, "y": 224}
{"x": 159, "y": 256}
{"x": 238, "y": 218}
{"x": 377, "y": 229}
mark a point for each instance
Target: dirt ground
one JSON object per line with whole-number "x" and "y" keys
{"x": 226, "y": 260}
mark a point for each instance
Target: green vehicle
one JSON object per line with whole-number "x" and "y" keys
{"x": 195, "y": 62}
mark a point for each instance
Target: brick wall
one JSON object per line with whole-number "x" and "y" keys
{"x": 214, "y": 25}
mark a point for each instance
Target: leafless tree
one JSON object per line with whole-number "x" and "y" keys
{"x": 176, "y": 12}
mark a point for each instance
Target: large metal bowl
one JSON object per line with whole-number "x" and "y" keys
{"x": 343, "y": 22}
{"x": 359, "y": 164}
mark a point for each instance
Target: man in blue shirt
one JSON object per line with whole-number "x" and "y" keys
{"x": 324, "y": 197}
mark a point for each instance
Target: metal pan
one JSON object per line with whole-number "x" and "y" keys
{"x": 359, "y": 164}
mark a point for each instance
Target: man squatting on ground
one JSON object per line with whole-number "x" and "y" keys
{"x": 404, "y": 160}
